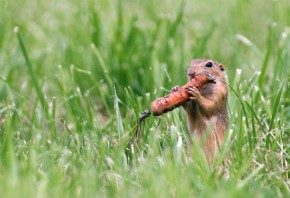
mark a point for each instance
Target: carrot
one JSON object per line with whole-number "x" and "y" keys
{"x": 179, "y": 97}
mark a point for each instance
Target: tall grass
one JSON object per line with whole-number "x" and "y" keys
{"x": 76, "y": 75}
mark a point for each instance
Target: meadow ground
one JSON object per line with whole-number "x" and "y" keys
{"x": 75, "y": 76}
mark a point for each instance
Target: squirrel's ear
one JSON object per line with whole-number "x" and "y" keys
{"x": 222, "y": 67}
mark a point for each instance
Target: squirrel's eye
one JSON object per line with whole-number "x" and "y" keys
{"x": 209, "y": 64}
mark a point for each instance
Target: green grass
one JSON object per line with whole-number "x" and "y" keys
{"x": 75, "y": 76}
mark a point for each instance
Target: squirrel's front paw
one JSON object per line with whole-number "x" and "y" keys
{"x": 194, "y": 93}
{"x": 174, "y": 89}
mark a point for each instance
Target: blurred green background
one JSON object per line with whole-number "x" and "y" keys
{"x": 75, "y": 75}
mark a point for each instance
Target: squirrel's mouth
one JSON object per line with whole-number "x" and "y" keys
{"x": 191, "y": 75}
{"x": 194, "y": 74}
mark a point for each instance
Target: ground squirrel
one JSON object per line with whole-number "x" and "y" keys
{"x": 207, "y": 109}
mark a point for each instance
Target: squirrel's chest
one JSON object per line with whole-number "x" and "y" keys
{"x": 200, "y": 124}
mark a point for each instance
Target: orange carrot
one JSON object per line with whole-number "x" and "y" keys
{"x": 179, "y": 97}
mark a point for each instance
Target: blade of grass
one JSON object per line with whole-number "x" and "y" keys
{"x": 265, "y": 64}
{"x": 37, "y": 87}
{"x": 119, "y": 117}
{"x": 52, "y": 120}
{"x": 8, "y": 156}
{"x": 253, "y": 124}
{"x": 276, "y": 107}
{"x": 238, "y": 95}
{"x": 32, "y": 74}
{"x": 256, "y": 117}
